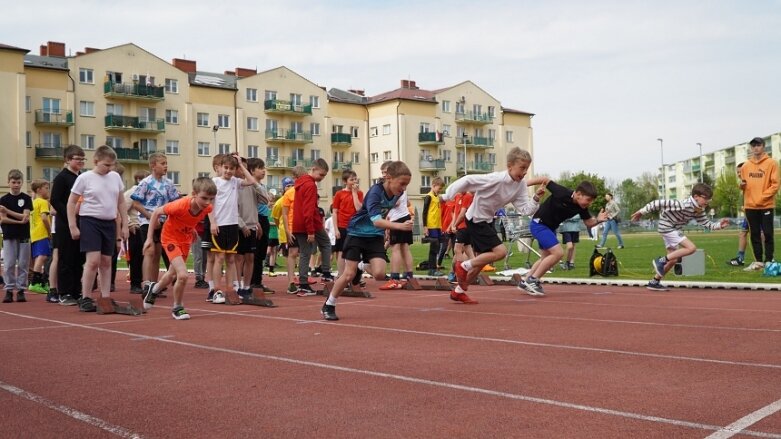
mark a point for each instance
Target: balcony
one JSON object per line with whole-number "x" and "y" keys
{"x": 474, "y": 118}
{"x": 277, "y": 106}
{"x": 49, "y": 151}
{"x": 135, "y": 124}
{"x": 288, "y": 136}
{"x": 432, "y": 165}
{"x": 341, "y": 139}
{"x": 125, "y": 155}
{"x": 134, "y": 90}
{"x": 475, "y": 142}
{"x": 341, "y": 166}
{"x": 53, "y": 118}
{"x": 286, "y": 163}
{"x": 434, "y": 138}
{"x": 476, "y": 167}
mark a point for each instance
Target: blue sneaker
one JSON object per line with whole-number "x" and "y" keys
{"x": 452, "y": 277}
{"x": 659, "y": 266}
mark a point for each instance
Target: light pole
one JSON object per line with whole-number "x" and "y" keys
{"x": 214, "y": 130}
{"x": 463, "y": 137}
{"x": 700, "y": 145}
{"x": 664, "y": 179}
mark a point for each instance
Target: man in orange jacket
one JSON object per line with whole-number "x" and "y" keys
{"x": 759, "y": 180}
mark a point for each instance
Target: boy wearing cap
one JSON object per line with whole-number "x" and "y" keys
{"x": 280, "y": 218}
{"x": 759, "y": 181}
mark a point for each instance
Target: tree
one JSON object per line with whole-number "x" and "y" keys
{"x": 726, "y": 195}
{"x": 634, "y": 194}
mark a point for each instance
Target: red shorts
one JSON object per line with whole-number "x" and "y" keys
{"x": 176, "y": 249}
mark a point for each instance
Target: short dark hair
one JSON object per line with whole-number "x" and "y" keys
{"x": 71, "y": 151}
{"x": 587, "y": 188}
{"x": 348, "y": 174}
{"x": 703, "y": 190}
{"x": 320, "y": 164}
{"x": 255, "y": 163}
{"x": 229, "y": 160}
{"x": 757, "y": 141}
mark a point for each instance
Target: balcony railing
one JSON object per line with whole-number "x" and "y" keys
{"x": 286, "y": 107}
{"x": 476, "y": 167}
{"x": 472, "y": 117}
{"x": 132, "y": 155}
{"x": 341, "y": 166}
{"x": 475, "y": 142}
{"x": 134, "y": 90}
{"x": 49, "y": 151}
{"x": 433, "y": 138}
{"x": 50, "y": 118}
{"x": 286, "y": 162}
{"x": 341, "y": 139}
{"x": 129, "y": 123}
{"x": 288, "y": 136}
{"x": 432, "y": 165}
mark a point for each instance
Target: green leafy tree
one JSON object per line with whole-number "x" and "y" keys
{"x": 634, "y": 194}
{"x": 726, "y": 195}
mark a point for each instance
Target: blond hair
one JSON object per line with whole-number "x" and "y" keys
{"x": 516, "y": 155}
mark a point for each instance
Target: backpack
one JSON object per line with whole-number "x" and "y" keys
{"x": 772, "y": 269}
{"x": 603, "y": 265}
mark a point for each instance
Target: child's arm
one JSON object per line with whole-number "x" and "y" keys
{"x": 357, "y": 197}
{"x": 335, "y": 214}
{"x": 18, "y": 218}
{"x": 46, "y": 223}
{"x": 213, "y": 227}
{"x": 122, "y": 209}
{"x": 537, "y": 180}
{"x": 248, "y": 180}
{"x": 73, "y": 199}
{"x": 426, "y": 204}
{"x": 600, "y": 218}
{"x": 285, "y": 220}
{"x": 460, "y": 217}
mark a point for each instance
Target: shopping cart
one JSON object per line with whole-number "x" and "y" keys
{"x": 517, "y": 228}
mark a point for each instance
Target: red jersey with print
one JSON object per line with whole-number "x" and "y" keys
{"x": 179, "y": 227}
{"x": 463, "y": 203}
{"x": 345, "y": 207}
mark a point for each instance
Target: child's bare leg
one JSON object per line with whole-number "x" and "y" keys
{"x": 105, "y": 275}
{"x": 230, "y": 271}
{"x": 248, "y": 262}
{"x": 550, "y": 257}
{"x": 396, "y": 258}
{"x": 178, "y": 270}
{"x": 406, "y": 257}
{"x": 478, "y": 262}
{"x": 377, "y": 268}
{"x": 53, "y": 269}
{"x": 350, "y": 268}
{"x": 219, "y": 257}
{"x": 91, "y": 265}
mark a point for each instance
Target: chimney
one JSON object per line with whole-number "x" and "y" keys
{"x": 412, "y": 85}
{"x": 79, "y": 53}
{"x": 358, "y": 92}
{"x": 184, "y": 65}
{"x": 230, "y": 73}
{"x": 56, "y": 49}
{"x": 44, "y": 50}
{"x": 404, "y": 83}
{"x": 243, "y": 73}
{"x": 90, "y": 50}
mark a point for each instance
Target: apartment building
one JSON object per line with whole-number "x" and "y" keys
{"x": 138, "y": 103}
{"x": 679, "y": 177}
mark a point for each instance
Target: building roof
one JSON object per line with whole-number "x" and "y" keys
{"x": 46, "y": 62}
{"x": 409, "y": 94}
{"x": 214, "y": 80}
{"x": 14, "y": 48}
{"x": 512, "y": 110}
{"x": 348, "y": 97}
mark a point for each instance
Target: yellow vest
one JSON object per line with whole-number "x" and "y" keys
{"x": 434, "y": 219}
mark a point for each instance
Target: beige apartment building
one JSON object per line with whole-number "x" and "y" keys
{"x": 679, "y": 177}
{"x": 130, "y": 99}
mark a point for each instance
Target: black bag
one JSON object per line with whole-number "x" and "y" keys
{"x": 603, "y": 265}
{"x": 617, "y": 219}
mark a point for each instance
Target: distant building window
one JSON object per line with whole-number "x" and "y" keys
{"x": 508, "y": 135}
{"x": 387, "y": 155}
{"x": 28, "y": 138}
{"x": 315, "y": 101}
{"x": 447, "y": 156}
{"x": 425, "y": 127}
{"x": 88, "y": 141}
{"x": 173, "y": 176}
{"x": 354, "y": 132}
{"x": 375, "y": 157}
{"x": 446, "y": 106}
{"x": 203, "y": 148}
{"x": 425, "y": 180}
{"x": 87, "y": 108}
{"x": 491, "y": 111}
{"x": 386, "y": 129}
{"x": 356, "y": 158}
{"x": 172, "y": 147}
{"x": 224, "y": 121}
{"x": 446, "y": 130}
{"x": 314, "y": 127}
{"x": 202, "y": 119}
{"x": 172, "y": 117}
{"x": 252, "y": 151}
{"x": 373, "y": 131}
{"x": 203, "y": 174}
{"x": 171, "y": 85}
{"x": 270, "y": 95}
{"x": 252, "y": 123}
{"x": 28, "y": 103}
{"x": 86, "y": 76}
{"x": 252, "y": 94}
{"x": 224, "y": 148}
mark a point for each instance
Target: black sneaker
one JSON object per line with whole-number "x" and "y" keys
{"x": 9, "y": 297}
{"x": 210, "y": 296}
{"x": 112, "y": 288}
{"x": 68, "y": 300}
{"x": 327, "y": 277}
{"x": 201, "y": 284}
{"x": 736, "y": 262}
{"x": 266, "y": 289}
{"x": 20, "y": 296}
{"x": 304, "y": 290}
{"x": 245, "y": 293}
{"x": 136, "y": 289}
{"x": 179, "y": 313}
{"x": 150, "y": 296}
{"x": 329, "y": 312}
{"x": 53, "y": 296}
{"x": 656, "y": 285}
{"x": 86, "y": 304}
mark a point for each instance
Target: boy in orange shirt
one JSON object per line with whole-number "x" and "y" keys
{"x": 178, "y": 232}
{"x": 346, "y": 202}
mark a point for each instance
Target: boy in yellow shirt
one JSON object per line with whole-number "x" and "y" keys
{"x": 40, "y": 230}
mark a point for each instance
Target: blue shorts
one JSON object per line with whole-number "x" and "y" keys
{"x": 543, "y": 234}
{"x": 41, "y": 247}
{"x": 744, "y": 225}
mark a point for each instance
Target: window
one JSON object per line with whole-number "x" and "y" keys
{"x": 460, "y": 157}
{"x": 87, "y": 108}
{"x": 492, "y": 158}
{"x": 115, "y": 77}
{"x": 272, "y": 126}
{"x": 491, "y": 136}
{"x": 51, "y": 105}
{"x": 339, "y": 156}
{"x": 202, "y": 119}
{"x": 459, "y": 108}
{"x": 460, "y": 133}
{"x": 172, "y": 117}
{"x": 448, "y": 179}
{"x": 425, "y": 127}
{"x": 50, "y": 173}
{"x": 374, "y": 157}
{"x": 446, "y": 106}
{"x": 252, "y": 94}
{"x": 224, "y": 121}
{"x": 28, "y": 104}
{"x": 86, "y": 76}
{"x": 295, "y": 99}
{"x": 508, "y": 135}
{"x": 28, "y": 139}
{"x": 296, "y": 127}
{"x": 354, "y": 132}
{"x": 315, "y": 101}
{"x": 477, "y": 109}
{"x": 386, "y": 129}
{"x": 314, "y": 127}
{"x": 387, "y": 155}
{"x": 272, "y": 155}
{"x": 446, "y": 155}
{"x": 173, "y": 176}
{"x": 51, "y": 140}
{"x": 172, "y": 147}
{"x": 224, "y": 148}
{"x": 491, "y": 111}
{"x": 115, "y": 109}
{"x": 446, "y": 130}
{"x": 356, "y": 158}
{"x": 298, "y": 154}
{"x": 146, "y": 114}
{"x": 88, "y": 141}
{"x": 373, "y": 132}
{"x": 271, "y": 95}
{"x": 171, "y": 85}
{"x": 252, "y": 123}
{"x": 252, "y": 151}
{"x": 29, "y": 173}
{"x": 425, "y": 180}
{"x": 114, "y": 142}
{"x": 147, "y": 146}
{"x": 203, "y": 148}
{"x": 337, "y": 128}
{"x": 314, "y": 154}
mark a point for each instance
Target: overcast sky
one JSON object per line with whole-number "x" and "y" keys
{"x": 604, "y": 78}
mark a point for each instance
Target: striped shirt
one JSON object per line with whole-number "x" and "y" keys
{"x": 675, "y": 214}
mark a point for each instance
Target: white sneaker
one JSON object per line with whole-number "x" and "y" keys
{"x": 219, "y": 297}
{"x": 755, "y": 266}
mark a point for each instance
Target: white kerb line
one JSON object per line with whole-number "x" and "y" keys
{"x": 741, "y": 424}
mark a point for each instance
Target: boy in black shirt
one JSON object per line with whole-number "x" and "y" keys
{"x": 562, "y": 204}
{"x": 15, "y": 208}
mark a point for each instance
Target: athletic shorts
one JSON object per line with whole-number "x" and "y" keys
{"x": 340, "y": 241}
{"x": 41, "y": 247}
{"x": 247, "y": 244}
{"x": 483, "y": 236}
{"x": 543, "y": 234}
{"x": 156, "y": 234}
{"x": 227, "y": 239}
{"x": 573, "y": 237}
{"x": 97, "y": 235}
{"x": 273, "y": 242}
{"x": 401, "y": 236}
{"x": 673, "y": 239}
{"x": 744, "y": 225}
{"x": 174, "y": 250}
{"x": 206, "y": 236}
{"x": 359, "y": 248}
{"x": 462, "y": 237}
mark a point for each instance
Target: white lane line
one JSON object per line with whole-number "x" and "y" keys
{"x": 738, "y": 426}
{"x": 409, "y": 379}
{"x": 71, "y": 412}
{"x": 34, "y": 328}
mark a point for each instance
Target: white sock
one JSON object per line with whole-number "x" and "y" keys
{"x": 467, "y": 265}
{"x": 211, "y": 285}
{"x": 331, "y": 300}
{"x": 459, "y": 290}
{"x": 156, "y": 288}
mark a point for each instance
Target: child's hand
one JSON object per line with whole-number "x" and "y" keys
{"x": 214, "y": 229}
{"x": 636, "y": 216}
{"x": 406, "y": 226}
{"x": 602, "y": 216}
{"x": 724, "y": 223}
{"x": 75, "y": 233}
{"x": 148, "y": 245}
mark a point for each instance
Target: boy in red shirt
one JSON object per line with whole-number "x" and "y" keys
{"x": 308, "y": 226}
{"x": 446, "y": 240}
{"x": 178, "y": 232}
{"x": 346, "y": 202}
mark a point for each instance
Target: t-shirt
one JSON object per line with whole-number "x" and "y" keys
{"x": 153, "y": 193}
{"x": 100, "y": 194}
{"x": 37, "y": 227}
{"x": 287, "y": 201}
{"x": 559, "y": 207}
{"x": 463, "y": 202}
{"x": 375, "y": 206}
{"x": 226, "y": 203}
{"x": 179, "y": 227}
{"x": 345, "y": 206}
{"x": 16, "y": 203}
{"x": 400, "y": 210}
{"x": 330, "y": 229}
{"x": 432, "y": 216}
{"x": 447, "y": 214}
{"x": 276, "y": 214}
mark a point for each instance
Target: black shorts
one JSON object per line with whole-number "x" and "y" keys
{"x": 206, "y": 236}
{"x": 273, "y": 242}
{"x": 401, "y": 236}
{"x": 97, "y": 235}
{"x": 156, "y": 234}
{"x": 573, "y": 237}
{"x": 462, "y": 237}
{"x": 340, "y": 241}
{"x": 227, "y": 240}
{"x": 247, "y": 244}
{"x": 483, "y": 236}
{"x": 359, "y": 248}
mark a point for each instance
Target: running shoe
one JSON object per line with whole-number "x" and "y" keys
{"x": 179, "y": 313}
{"x": 329, "y": 312}
{"x": 531, "y": 287}
{"x": 656, "y": 285}
{"x": 462, "y": 297}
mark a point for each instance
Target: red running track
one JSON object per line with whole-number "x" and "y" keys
{"x": 586, "y": 361}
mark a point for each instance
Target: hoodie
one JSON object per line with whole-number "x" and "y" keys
{"x": 306, "y": 214}
{"x": 762, "y": 180}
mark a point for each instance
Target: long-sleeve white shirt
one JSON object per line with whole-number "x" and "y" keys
{"x": 492, "y": 191}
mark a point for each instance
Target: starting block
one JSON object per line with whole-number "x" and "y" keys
{"x": 484, "y": 280}
{"x": 232, "y": 298}
{"x": 413, "y": 285}
{"x": 350, "y": 291}
{"x": 440, "y": 284}
{"x": 107, "y": 305}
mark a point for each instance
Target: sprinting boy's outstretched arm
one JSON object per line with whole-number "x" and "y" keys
{"x": 467, "y": 183}
{"x": 657, "y": 206}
